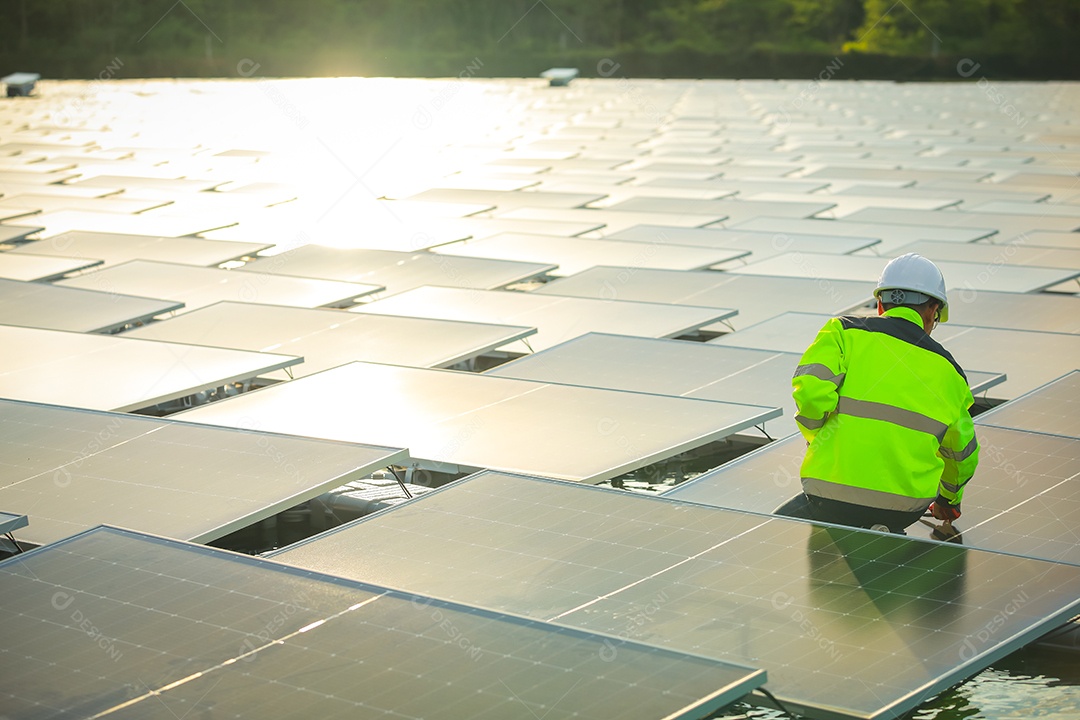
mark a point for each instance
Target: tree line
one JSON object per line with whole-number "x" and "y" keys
{"x": 688, "y": 38}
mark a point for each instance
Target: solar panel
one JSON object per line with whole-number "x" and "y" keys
{"x": 53, "y": 203}
{"x": 573, "y": 255}
{"x": 1017, "y": 252}
{"x": 14, "y": 188}
{"x": 288, "y": 226}
{"x": 556, "y": 318}
{"x": 114, "y": 248}
{"x": 10, "y": 522}
{"x": 971, "y": 275}
{"x": 969, "y": 192}
{"x": 1040, "y": 179}
{"x": 612, "y": 220}
{"x": 760, "y": 244}
{"x": 450, "y": 420}
{"x": 71, "y": 469}
{"x": 861, "y": 173}
{"x": 40, "y": 268}
{"x": 471, "y": 181}
{"x": 328, "y": 338}
{"x": 738, "y": 186}
{"x": 787, "y": 332}
{"x": 106, "y": 372}
{"x": 845, "y": 204}
{"x": 503, "y": 200}
{"x": 847, "y": 623}
{"x": 1051, "y": 408}
{"x": 1007, "y": 226}
{"x": 706, "y": 372}
{"x": 398, "y": 272}
{"x": 617, "y": 194}
{"x": 891, "y": 236}
{"x": 9, "y": 233}
{"x": 486, "y": 227}
{"x": 756, "y": 297}
{"x": 1046, "y": 312}
{"x": 1014, "y": 207}
{"x": 733, "y": 211}
{"x": 35, "y": 178}
{"x": 198, "y": 286}
{"x": 1053, "y": 239}
{"x": 59, "y": 308}
{"x": 165, "y": 225}
{"x": 192, "y": 630}
{"x": 1028, "y": 358}
{"x": 128, "y": 182}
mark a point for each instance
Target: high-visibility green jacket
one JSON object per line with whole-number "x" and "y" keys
{"x": 885, "y": 410}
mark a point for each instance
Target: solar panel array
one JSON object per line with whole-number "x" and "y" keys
{"x": 176, "y": 628}
{"x": 588, "y": 225}
{"x": 848, "y": 623}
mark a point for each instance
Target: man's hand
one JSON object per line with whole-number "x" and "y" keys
{"x": 943, "y": 510}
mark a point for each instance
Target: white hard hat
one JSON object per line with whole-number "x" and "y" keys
{"x": 914, "y": 280}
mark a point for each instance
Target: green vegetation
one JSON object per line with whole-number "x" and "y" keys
{"x": 902, "y": 39}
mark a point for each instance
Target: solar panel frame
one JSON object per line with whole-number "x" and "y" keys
{"x": 246, "y": 624}
{"x": 159, "y": 475}
{"x": 10, "y": 522}
{"x": 689, "y": 558}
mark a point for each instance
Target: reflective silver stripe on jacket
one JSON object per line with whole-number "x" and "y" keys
{"x": 810, "y": 423}
{"x": 821, "y": 372}
{"x": 959, "y": 455}
{"x": 892, "y": 414}
{"x": 951, "y": 487}
{"x": 864, "y": 496}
